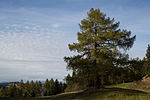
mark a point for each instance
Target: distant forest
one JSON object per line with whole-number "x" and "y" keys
{"x": 32, "y": 89}
{"x": 101, "y": 60}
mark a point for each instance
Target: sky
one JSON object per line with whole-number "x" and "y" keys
{"x": 34, "y": 34}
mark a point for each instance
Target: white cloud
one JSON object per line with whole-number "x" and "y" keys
{"x": 55, "y": 25}
{"x": 34, "y": 42}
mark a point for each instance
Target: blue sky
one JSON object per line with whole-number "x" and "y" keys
{"x": 34, "y": 34}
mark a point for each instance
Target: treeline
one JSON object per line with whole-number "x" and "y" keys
{"x": 116, "y": 75}
{"x": 33, "y": 88}
{"x": 131, "y": 70}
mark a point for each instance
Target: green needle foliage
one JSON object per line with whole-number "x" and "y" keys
{"x": 100, "y": 46}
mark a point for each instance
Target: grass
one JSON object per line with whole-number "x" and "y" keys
{"x": 95, "y": 94}
{"x": 126, "y": 86}
{"x": 113, "y": 92}
{"x": 123, "y": 85}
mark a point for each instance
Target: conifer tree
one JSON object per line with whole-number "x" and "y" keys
{"x": 52, "y": 87}
{"x": 146, "y": 67}
{"x": 57, "y": 87}
{"x": 21, "y": 88}
{"x": 27, "y": 89}
{"x": 46, "y": 87}
{"x": 32, "y": 89}
{"x": 99, "y": 47}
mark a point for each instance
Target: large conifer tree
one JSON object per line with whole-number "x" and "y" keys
{"x": 99, "y": 46}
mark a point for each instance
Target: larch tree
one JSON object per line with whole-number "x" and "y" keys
{"x": 100, "y": 45}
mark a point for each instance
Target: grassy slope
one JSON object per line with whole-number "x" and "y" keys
{"x": 127, "y": 85}
{"x": 113, "y": 92}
